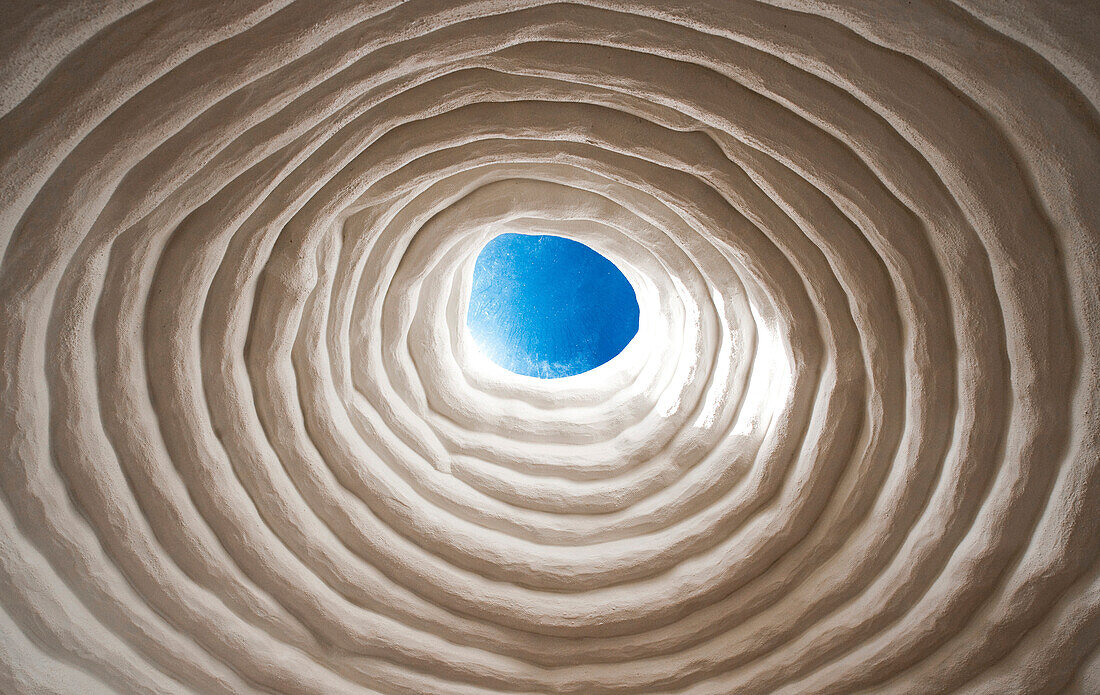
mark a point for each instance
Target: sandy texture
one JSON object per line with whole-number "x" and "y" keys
{"x": 248, "y": 446}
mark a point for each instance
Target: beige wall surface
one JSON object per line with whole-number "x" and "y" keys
{"x": 248, "y": 446}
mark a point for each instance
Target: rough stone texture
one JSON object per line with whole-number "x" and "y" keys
{"x": 246, "y": 444}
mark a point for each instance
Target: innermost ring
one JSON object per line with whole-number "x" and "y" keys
{"x": 549, "y": 307}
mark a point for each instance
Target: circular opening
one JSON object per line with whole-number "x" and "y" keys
{"x": 549, "y": 307}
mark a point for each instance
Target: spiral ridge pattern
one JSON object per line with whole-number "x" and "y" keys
{"x": 249, "y": 447}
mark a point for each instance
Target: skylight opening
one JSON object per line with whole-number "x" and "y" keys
{"x": 549, "y": 307}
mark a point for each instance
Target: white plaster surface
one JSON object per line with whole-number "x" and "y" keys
{"x": 248, "y": 446}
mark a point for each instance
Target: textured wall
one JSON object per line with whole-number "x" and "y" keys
{"x": 246, "y": 444}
